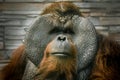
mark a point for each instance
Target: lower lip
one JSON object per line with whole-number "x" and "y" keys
{"x": 60, "y": 54}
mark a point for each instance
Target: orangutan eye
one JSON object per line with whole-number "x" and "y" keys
{"x": 69, "y": 31}
{"x": 55, "y": 30}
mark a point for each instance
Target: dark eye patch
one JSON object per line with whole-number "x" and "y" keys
{"x": 69, "y": 31}
{"x": 55, "y": 30}
{"x": 61, "y": 30}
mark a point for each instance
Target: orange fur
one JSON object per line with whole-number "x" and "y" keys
{"x": 55, "y": 68}
{"x": 106, "y": 67}
{"x": 15, "y": 69}
{"x": 107, "y": 63}
{"x": 61, "y": 7}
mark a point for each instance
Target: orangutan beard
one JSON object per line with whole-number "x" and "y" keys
{"x": 57, "y": 68}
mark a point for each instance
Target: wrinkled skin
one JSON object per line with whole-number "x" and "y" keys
{"x": 62, "y": 45}
{"x": 61, "y": 32}
{"x": 81, "y": 33}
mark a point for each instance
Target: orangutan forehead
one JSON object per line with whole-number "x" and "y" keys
{"x": 61, "y": 7}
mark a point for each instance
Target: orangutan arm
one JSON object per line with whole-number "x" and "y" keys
{"x": 107, "y": 63}
{"x": 15, "y": 69}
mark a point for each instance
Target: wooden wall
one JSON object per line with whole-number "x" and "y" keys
{"x": 17, "y": 14}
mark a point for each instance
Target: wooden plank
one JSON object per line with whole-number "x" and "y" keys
{"x": 110, "y": 21}
{"x": 3, "y": 55}
{"x": 114, "y": 29}
{"x": 103, "y": 14}
{"x": 1, "y": 34}
{"x": 14, "y": 37}
{"x": 9, "y": 52}
{"x": 11, "y": 47}
{"x": 22, "y": 6}
{"x": 14, "y": 32}
{"x": 24, "y": 0}
{"x": 61, "y": 0}
{"x": 10, "y": 42}
{"x": 2, "y": 65}
{"x": 4, "y": 61}
{"x": 110, "y": 18}
{"x": 101, "y": 28}
{"x": 10, "y": 17}
{"x": 2, "y": 20}
{"x": 21, "y": 12}
{"x": 15, "y": 27}
{"x": 101, "y": 10}
{"x": 1, "y": 29}
{"x": 100, "y": 5}
{"x": 40, "y": 6}
{"x": 1, "y": 0}
{"x": 106, "y": 33}
{"x": 102, "y": 0}
{"x": 1, "y": 38}
{"x": 38, "y": 0}
{"x": 1, "y": 45}
{"x": 17, "y": 22}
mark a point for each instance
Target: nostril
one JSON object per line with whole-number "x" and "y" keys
{"x": 61, "y": 38}
{"x": 64, "y": 38}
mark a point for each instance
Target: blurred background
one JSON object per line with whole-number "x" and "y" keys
{"x": 15, "y": 15}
